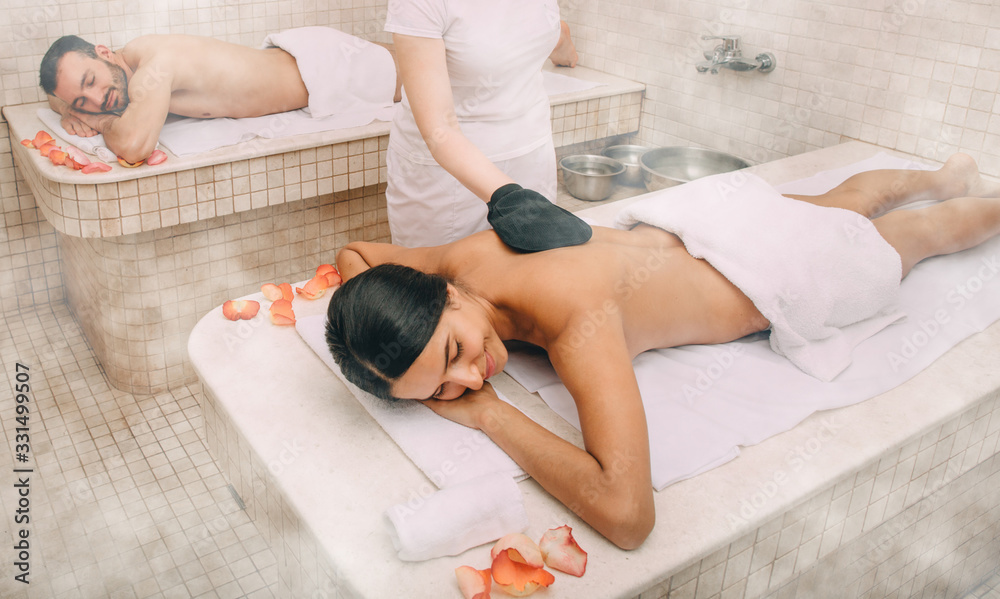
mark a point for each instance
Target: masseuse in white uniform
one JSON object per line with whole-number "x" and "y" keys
{"x": 474, "y": 125}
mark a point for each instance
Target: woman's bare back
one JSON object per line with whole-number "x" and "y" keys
{"x": 644, "y": 278}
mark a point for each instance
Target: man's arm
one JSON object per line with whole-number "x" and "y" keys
{"x": 70, "y": 122}
{"x": 133, "y": 134}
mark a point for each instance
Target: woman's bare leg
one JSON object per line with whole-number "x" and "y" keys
{"x": 874, "y": 193}
{"x": 945, "y": 228}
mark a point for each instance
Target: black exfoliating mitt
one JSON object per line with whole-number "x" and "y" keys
{"x": 526, "y": 221}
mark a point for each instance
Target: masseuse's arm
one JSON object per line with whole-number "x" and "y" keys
{"x": 133, "y": 134}
{"x": 424, "y": 73}
{"x": 607, "y": 483}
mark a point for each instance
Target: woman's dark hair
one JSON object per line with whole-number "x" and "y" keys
{"x": 50, "y": 62}
{"x": 380, "y": 321}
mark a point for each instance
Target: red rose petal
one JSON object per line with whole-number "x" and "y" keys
{"x": 474, "y": 584}
{"x": 561, "y": 551}
{"x": 314, "y": 288}
{"x": 96, "y": 167}
{"x": 41, "y": 138}
{"x": 156, "y": 157}
{"x": 240, "y": 309}
{"x": 281, "y": 312}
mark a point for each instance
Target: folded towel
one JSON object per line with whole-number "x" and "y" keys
{"x": 455, "y": 519}
{"x": 447, "y": 452}
{"x": 91, "y": 145}
{"x": 823, "y": 277}
{"x": 343, "y": 74}
{"x": 703, "y": 401}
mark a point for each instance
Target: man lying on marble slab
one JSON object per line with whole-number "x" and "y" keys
{"x": 127, "y": 94}
{"x": 429, "y": 324}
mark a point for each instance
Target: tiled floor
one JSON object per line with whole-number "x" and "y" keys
{"x": 125, "y": 500}
{"x": 988, "y": 590}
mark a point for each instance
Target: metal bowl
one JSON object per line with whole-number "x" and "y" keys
{"x": 590, "y": 177}
{"x": 673, "y": 165}
{"x": 629, "y": 156}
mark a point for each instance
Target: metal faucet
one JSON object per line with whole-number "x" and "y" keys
{"x": 729, "y": 55}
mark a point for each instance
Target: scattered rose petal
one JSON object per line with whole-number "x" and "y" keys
{"x": 527, "y": 550}
{"x": 78, "y": 156}
{"x": 47, "y": 147}
{"x": 561, "y": 552}
{"x": 314, "y": 288}
{"x": 96, "y": 167}
{"x": 332, "y": 275}
{"x": 274, "y": 292}
{"x": 516, "y": 577}
{"x": 474, "y": 584}
{"x": 58, "y": 157}
{"x": 156, "y": 157}
{"x": 128, "y": 164}
{"x": 41, "y": 138}
{"x": 240, "y": 309}
{"x": 73, "y": 163}
{"x": 281, "y": 312}
{"x": 27, "y": 143}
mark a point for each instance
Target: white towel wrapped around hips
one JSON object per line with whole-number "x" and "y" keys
{"x": 823, "y": 277}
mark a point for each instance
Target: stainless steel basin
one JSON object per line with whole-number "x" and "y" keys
{"x": 590, "y": 177}
{"x": 673, "y": 165}
{"x": 629, "y": 156}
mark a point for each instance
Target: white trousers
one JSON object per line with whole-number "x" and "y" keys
{"x": 427, "y": 206}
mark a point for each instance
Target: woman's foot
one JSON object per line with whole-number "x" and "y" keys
{"x": 962, "y": 168}
{"x": 564, "y": 54}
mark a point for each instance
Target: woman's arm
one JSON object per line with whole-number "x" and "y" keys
{"x": 608, "y": 483}
{"x": 424, "y": 73}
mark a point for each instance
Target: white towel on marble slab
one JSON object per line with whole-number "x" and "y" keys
{"x": 185, "y": 136}
{"x": 823, "y": 277}
{"x": 447, "y": 452}
{"x": 92, "y": 145}
{"x": 452, "y": 520}
{"x": 344, "y": 74}
{"x": 703, "y": 401}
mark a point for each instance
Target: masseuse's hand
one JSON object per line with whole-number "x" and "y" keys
{"x": 476, "y": 408}
{"x": 526, "y": 221}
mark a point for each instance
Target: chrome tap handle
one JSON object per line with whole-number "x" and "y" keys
{"x": 730, "y": 43}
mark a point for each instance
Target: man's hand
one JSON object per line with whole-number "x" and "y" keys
{"x": 74, "y": 126}
{"x": 526, "y": 221}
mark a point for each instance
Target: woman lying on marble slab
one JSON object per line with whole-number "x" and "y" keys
{"x": 429, "y": 324}
{"x": 127, "y": 94}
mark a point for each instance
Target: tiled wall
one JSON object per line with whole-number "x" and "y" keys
{"x": 919, "y": 76}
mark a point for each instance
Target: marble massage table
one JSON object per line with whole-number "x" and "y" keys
{"x": 316, "y": 472}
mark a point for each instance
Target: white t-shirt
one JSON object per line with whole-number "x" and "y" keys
{"x": 495, "y": 50}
